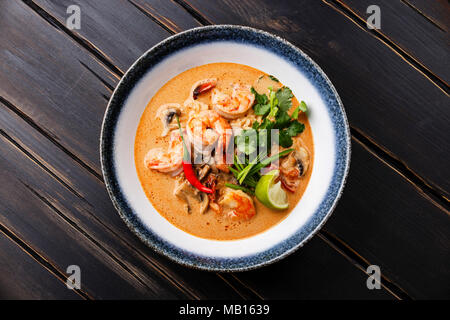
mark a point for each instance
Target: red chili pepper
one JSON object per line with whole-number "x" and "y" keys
{"x": 188, "y": 169}
{"x": 192, "y": 178}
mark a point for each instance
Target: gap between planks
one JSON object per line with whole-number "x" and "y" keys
{"x": 434, "y": 23}
{"x": 350, "y": 14}
{"x": 58, "y": 274}
{"x": 361, "y": 263}
{"x": 360, "y": 137}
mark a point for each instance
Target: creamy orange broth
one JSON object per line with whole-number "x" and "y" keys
{"x": 159, "y": 186}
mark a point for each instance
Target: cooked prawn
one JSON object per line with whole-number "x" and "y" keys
{"x": 197, "y": 89}
{"x": 237, "y": 205}
{"x": 169, "y": 161}
{"x": 234, "y": 106}
{"x": 202, "y": 86}
{"x": 207, "y": 130}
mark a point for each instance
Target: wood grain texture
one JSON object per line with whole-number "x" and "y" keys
{"x": 296, "y": 277}
{"x": 392, "y": 224}
{"x": 80, "y": 197}
{"x": 24, "y": 278}
{"x": 410, "y": 31}
{"x": 122, "y": 28}
{"x": 383, "y": 95}
{"x": 437, "y": 11}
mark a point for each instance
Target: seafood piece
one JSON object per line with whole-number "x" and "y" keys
{"x": 169, "y": 161}
{"x": 234, "y": 106}
{"x": 197, "y": 89}
{"x": 202, "y": 86}
{"x": 237, "y": 205}
{"x": 166, "y": 113}
{"x": 207, "y": 130}
{"x": 294, "y": 166}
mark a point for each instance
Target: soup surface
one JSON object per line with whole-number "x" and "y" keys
{"x": 184, "y": 210}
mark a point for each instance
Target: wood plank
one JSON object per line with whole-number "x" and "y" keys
{"x": 383, "y": 95}
{"x": 24, "y": 278}
{"x": 44, "y": 88}
{"x": 80, "y": 197}
{"x": 392, "y": 224}
{"x": 106, "y": 24}
{"x": 410, "y": 31}
{"x": 436, "y": 11}
{"x": 295, "y": 277}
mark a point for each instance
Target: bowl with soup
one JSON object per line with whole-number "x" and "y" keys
{"x": 225, "y": 148}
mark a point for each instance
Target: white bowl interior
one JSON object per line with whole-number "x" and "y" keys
{"x": 256, "y": 57}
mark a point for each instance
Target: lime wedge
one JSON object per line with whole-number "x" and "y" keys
{"x": 270, "y": 193}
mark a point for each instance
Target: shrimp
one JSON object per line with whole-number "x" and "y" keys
{"x": 197, "y": 89}
{"x": 207, "y": 130}
{"x": 294, "y": 166}
{"x": 202, "y": 86}
{"x": 170, "y": 161}
{"x": 234, "y": 106}
{"x": 237, "y": 204}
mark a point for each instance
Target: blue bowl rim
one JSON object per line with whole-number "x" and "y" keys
{"x": 151, "y": 58}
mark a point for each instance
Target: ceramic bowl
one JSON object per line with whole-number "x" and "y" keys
{"x": 257, "y": 49}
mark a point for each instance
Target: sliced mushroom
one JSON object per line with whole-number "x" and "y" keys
{"x": 186, "y": 192}
{"x": 203, "y": 171}
{"x": 204, "y": 205}
{"x": 182, "y": 190}
{"x": 166, "y": 113}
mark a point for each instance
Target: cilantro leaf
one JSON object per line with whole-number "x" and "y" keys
{"x": 295, "y": 128}
{"x": 273, "y": 78}
{"x": 261, "y": 109}
{"x": 285, "y": 139}
{"x": 266, "y": 124}
{"x": 284, "y": 96}
{"x": 282, "y": 119}
{"x": 262, "y": 105}
{"x": 295, "y": 113}
{"x": 303, "y": 106}
{"x": 260, "y": 98}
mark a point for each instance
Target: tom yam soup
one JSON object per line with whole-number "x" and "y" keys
{"x": 224, "y": 151}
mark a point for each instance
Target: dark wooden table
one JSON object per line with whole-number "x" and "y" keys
{"x": 55, "y": 212}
